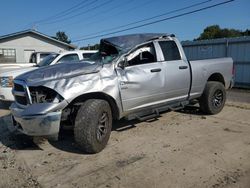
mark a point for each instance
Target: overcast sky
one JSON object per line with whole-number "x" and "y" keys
{"x": 79, "y": 19}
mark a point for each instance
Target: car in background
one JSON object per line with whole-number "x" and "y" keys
{"x": 7, "y": 75}
{"x": 36, "y": 57}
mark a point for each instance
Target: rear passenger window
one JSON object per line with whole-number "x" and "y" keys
{"x": 170, "y": 50}
{"x": 69, "y": 58}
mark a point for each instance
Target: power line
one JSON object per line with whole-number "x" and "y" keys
{"x": 150, "y": 18}
{"x": 157, "y": 21}
{"x": 81, "y": 13}
{"x": 65, "y": 12}
{"x": 118, "y": 14}
{"x": 102, "y": 12}
{"x": 73, "y": 11}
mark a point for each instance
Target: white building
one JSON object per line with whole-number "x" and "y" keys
{"x": 17, "y": 47}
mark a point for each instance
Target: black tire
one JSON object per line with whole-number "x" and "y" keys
{"x": 93, "y": 125}
{"x": 213, "y": 98}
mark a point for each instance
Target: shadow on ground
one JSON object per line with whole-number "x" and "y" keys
{"x": 14, "y": 140}
{"x": 66, "y": 137}
{"x": 66, "y": 140}
{"x": 194, "y": 110}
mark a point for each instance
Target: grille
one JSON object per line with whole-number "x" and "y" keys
{"x": 18, "y": 87}
{"x": 21, "y": 100}
{"x": 20, "y": 92}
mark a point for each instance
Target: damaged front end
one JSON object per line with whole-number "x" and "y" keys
{"x": 37, "y": 110}
{"x": 49, "y": 96}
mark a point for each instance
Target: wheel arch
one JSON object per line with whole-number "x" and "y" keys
{"x": 217, "y": 77}
{"x": 99, "y": 95}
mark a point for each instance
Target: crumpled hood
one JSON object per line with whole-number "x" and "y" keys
{"x": 15, "y": 71}
{"x": 59, "y": 71}
{"x": 14, "y": 66}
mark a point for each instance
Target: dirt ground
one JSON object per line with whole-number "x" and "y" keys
{"x": 179, "y": 149}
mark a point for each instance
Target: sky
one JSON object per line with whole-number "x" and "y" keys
{"x": 84, "y": 18}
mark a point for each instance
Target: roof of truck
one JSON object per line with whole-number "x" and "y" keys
{"x": 126, "y": 42}
{"x": 78, "y": 51}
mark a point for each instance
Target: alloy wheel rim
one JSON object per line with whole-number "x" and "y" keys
{"x": 217, "y": 98}
{"x": 102, "y": 126}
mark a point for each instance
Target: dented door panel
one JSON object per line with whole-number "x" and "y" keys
{"x": 141, "y": 85}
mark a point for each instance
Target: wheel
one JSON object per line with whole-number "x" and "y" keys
{"x": 93, "y": 125}
{"x": 213, "y": 98}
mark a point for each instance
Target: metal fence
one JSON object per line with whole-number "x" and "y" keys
{"x": 237, "y": 48}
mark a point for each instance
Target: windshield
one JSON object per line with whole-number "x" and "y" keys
{"x": 106, "y": 54}
{"x": 102, "y": 57}
{"x": 47, "y": 60}
{"x": 87, "y": 55}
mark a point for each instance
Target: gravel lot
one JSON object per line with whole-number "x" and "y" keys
{"x": 179, "y": 149}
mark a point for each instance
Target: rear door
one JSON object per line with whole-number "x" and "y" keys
{"x": 142, "y": 81}
{"x": 177, "y": 69}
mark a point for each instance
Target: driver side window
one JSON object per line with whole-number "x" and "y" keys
{"x": 142, "y": 55}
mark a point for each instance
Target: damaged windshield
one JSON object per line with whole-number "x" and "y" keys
{"x": 106, "y": 54}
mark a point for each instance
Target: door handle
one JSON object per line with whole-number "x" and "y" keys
{"x": 123, "y": 85}
{"x": 183, "y": 67}
{"x": 155, "y": 70}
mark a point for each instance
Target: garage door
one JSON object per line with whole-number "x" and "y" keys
{"x": 27, "y": 54}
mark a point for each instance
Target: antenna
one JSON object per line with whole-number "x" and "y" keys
{"x": 34, "y": 27}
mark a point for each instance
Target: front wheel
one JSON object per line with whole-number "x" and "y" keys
{"x": 93, "y": 125}
{"x": 213, "y": 98}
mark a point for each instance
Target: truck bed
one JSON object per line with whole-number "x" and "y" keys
{"x": 202, "y": 70}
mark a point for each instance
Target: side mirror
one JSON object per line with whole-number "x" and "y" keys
{"x": 122, "y": 64}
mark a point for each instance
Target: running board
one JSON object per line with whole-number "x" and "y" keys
{"x": 155, "y": 112}
{"x": 154, "y": 115}
{"x": 175, "y": 108}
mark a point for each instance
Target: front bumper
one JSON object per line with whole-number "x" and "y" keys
{"x": 35, "y": 125}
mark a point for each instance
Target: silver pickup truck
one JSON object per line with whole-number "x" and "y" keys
{"x": 132, "y": 76}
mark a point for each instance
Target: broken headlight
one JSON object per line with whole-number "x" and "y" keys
{"x": 42, "y": 94}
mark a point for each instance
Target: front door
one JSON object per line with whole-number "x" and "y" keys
{"x": 142, "y": 81}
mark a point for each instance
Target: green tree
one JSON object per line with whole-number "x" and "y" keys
{"x": 91, "y": 47}
{"x": 61, "y": 35}
{"x": 214, "y": 31}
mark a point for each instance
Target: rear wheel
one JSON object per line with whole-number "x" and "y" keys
{"x": 93, "y": 125}
{"x": 213, "y": 98}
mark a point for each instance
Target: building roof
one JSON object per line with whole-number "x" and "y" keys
{"x": 4, "y": 37}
